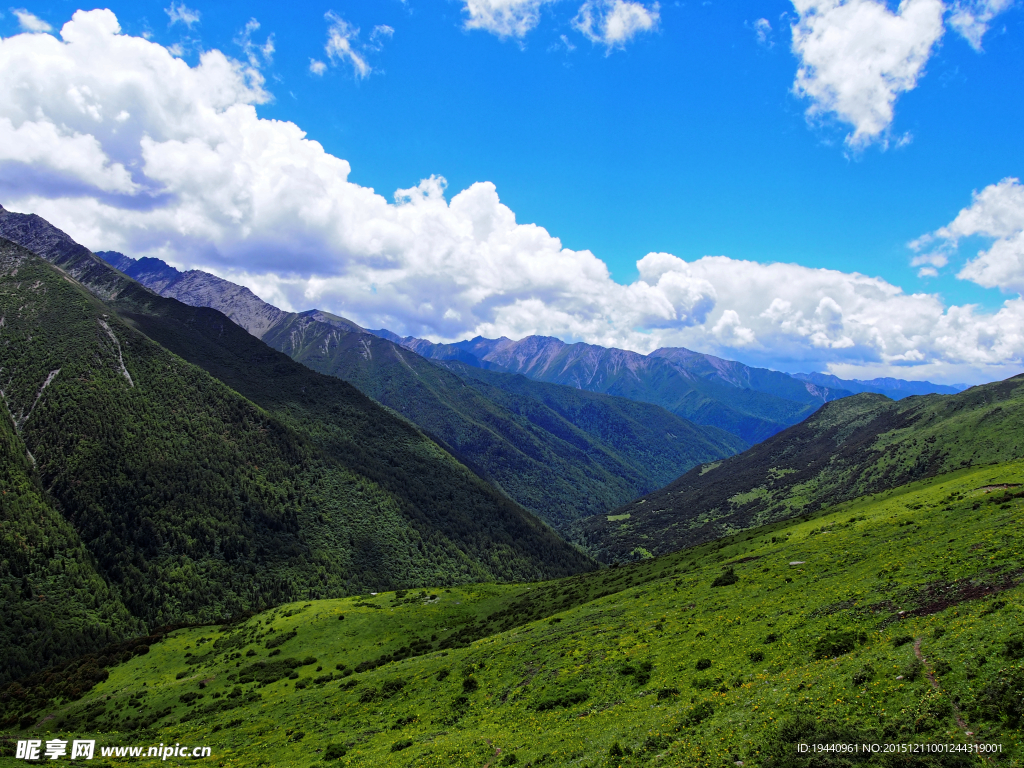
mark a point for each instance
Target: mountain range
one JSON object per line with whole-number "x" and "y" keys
{"x": 562, "y": 453}
{"x": 751, "y": 403}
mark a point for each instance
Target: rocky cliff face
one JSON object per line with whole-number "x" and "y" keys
{"x": 200, "y": 289}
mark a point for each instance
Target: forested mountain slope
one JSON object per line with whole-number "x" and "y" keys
{"x": 561, "y": 466}
{"x": 195, "y": 502}
{"x": 858, "y": 445}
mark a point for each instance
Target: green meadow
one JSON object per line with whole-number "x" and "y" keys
{"x": 894, "y": 619}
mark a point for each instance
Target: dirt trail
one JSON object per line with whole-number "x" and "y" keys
{"x": 935, "y": 684}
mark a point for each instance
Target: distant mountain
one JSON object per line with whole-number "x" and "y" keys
{"x": 161, "y": 464}
{"x": 895, "y": 389}
{"x": 751, "y": 403}
{"x": 859, "y": 445}
{"x": 560, "y": 464}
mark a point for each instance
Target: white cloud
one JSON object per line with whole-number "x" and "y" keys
{"x": 972, "y": 19}
{"x": 317, "y": 67}
{"x": 614, "y": 23}
{"x": 997, "y": 212}
{"x": 343, "y": 45}
{"x": 181, "y": 12}
{"x": 255, "y": 53}
{"x": 763, "y": 32}
{"x": 125, "y": 147}
{"x": 29, "y": 22}
{"x": 504, "y": 18}
{"x": 856, "y": 58}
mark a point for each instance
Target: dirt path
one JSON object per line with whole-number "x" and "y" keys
{"x": 935, "y": 684}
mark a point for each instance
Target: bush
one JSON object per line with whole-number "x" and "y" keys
{"x": 756, "y": 656}
{"x": 1002, "y": 698}
{"x": 771, "y": 639}
{"x": 334, "y": 751}
{"x": 470, "y": 684}
{"x": 443, "y": 674}
{"x": 727, "y": 578}
{"x": 901, "y": 640}
{"x": 863, "y": 675}
{"x": 566, "y": 699}
{"x": 1014, "y": 648}
{"x": 666, "y": 693}
{"x": 943, "y": 667}
{"x": 837, "y": 643}
{"x": 912, "y": 669}
{"x": 398, "y": 746}
{"x": 703, "y": 664}
{"x": 300, "y": 684}
{"x": 699, "y": 714}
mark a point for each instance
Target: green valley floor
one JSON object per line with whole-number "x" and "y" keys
{"x": 894, "y": 619}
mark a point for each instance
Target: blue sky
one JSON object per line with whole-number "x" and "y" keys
{"x": 685, "y": 138}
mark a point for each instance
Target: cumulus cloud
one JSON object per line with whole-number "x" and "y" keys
{"x": 613, "y": 23}
{"x": 997, "y": 213}
{"x": 128, "y": 148}
{"x": 317, "y": 67}
{"x": 179, "y": 12}
{"x": 29, "y": 22}
{"x": 504, "y": 18}
{"x": 972, "y": 19}
{"x": 856, "y": 58}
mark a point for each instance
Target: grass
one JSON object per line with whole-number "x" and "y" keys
{"x": 639, "y": 663}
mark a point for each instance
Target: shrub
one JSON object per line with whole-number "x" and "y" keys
{"x": 280, "y": 639}
{"x": 837, "y": 643}
{"x": 703, "y": 664}
{"x": 756, "y": 656}
{"x": 443, "y": 674}
{"x": 1014, "y": 648}
{"x": 392, "y": 687}
{"x": 180, "y": 675}
{"x": 341, "y": 617}
{"x": 300, "y": 684}
{"x": 334, "y": 751}
{"x": 771, "y": 639}
{"x": 901, "y": 640}
{"x": 912, "y": 669}
{"x": 469, "y": 685}
{"x": 566, "y": 699}
{"x": 666, "y": 693}
{"x": 863, "y": 675}
{"x": 398, "y": 746}
{"x": 1002, "y": 698}
{"x": 943, "y": 667}
{"x": 727, "y": 578}
{"x": 616, "y": 750}
{"x": 699, "y": 714}
{"x": 368, "y": 695}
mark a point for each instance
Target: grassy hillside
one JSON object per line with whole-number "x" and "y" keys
{"x": 892, "y": 619}
{"x": 194, "y": 502}
{"x": 857, "y": 445}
